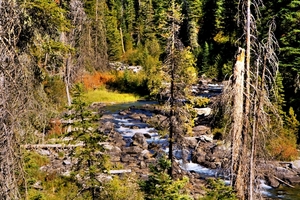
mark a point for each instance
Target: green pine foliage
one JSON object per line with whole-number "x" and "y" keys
{"x": 160, "y": 185}
{"x": 91, "y": 157}
{"x": 217, "y": 190}
{"x": 122, "y": 188}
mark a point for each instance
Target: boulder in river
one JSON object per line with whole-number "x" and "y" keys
{"x": 139, "y": 140}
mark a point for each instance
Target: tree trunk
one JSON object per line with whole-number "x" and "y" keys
{"x": 237, "y": 116}
{"x": 67, "y": 79}
{"x": 10, "y": 167}
{"x": 122, "y": 41}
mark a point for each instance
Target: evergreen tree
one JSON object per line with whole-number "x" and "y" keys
{"x": 161, "y": 186}
{"x": 130, "y": 22}
{"x": 289, "y": 33}
{"x": 91, "y": 157}
{"x": 179, "y": 75}
{"x": 160, "y": 8}
{"x": 144, "y": 26}
{"x": 93, "y": 44}
{"x": 44, "y": 21}
{"x": 193, "y": 11}
{"x": 113, "y": 36}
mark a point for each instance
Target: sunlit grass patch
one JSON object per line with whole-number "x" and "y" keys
{"x": 103, "y": 95}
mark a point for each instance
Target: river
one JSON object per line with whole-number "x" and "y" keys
{"x": 123, "y": 124}
{"x": 286, "y": 193}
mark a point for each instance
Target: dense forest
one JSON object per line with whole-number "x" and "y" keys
{"x": 49, "y": 46}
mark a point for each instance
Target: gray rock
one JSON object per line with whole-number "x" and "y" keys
{"x": 44, "y": 152}
{"x": 293, "y": 179}
{"x": 143, "y": 165}
{"x": 206, "y": 138}
{"x": 139, "y": 140}
{"x": 148, "y": 136}
{"x": 146, "y": 154}
{"x": 296, "y": 164}
{"x": 272, "y": 181}
{"x": 132, "y": 150}
{"x": 67, "y": 162}
{"x": 37, "y": 185}
{"x": 198, "y": 158}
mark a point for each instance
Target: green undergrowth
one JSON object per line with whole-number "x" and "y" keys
{"x": 105, "y": 96}
{"x": 42, "y": 185}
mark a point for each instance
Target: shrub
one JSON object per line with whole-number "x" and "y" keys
{"x": 95, "y": 80}
{"x": 200, "y": 102}
{"x": 55, "y": 127}
{"x": 129, "y": 82}
{"x": 217, "y": 190}
{"x": 283, "y": 144}
{"x": 55, "y": 89}
{"x": 120, "y": 188}
{"x": 161, "y": 186}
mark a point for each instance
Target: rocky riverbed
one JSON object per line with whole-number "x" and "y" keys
{"x": 134, "y": 145}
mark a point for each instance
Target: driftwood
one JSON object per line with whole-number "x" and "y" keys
{"x": 119, "y": 171}
{"x": 284, "y": 182}
{"x": 46, "y": 146}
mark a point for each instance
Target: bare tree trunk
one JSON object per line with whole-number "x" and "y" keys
{"x": 96, "y": 38}
{"x": 238, "y": 119}
{"x": 122, "y": 41}
{"x": 67, "y": 79}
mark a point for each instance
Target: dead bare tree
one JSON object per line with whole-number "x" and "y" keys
{"x": 78, "y": 17}
{"x": 11, "y": 75}
{"x": 252, "y": 110}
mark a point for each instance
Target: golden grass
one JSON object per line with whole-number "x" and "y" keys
{"x": 105, "y": 96}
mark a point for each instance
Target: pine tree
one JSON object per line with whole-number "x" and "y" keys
{"x": 113, "y": 36}
{"x": 91, "y": 157}
{"x": 288, "y": 32}
{"x": 179, "y": 74}
{"x": 161, "y": 186}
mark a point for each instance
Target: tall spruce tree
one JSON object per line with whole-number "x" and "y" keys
{"x": 289, "y": 34}
{"x": 113, "y": 36}
{"x": 90, "y": 157}
{"x": 179, "y": 75}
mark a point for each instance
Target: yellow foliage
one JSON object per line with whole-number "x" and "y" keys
{"x": 220, "y": 38}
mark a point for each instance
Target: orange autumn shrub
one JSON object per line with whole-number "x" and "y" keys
{"x": 95, "y": 80}
{"x": 283, "y": 148}
{"x": 283, "y": 144}
{"x": 55, "y": 127}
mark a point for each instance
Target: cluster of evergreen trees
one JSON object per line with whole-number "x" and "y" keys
{"x": 87, "y": 34}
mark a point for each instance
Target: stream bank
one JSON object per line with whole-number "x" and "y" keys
{"x": 134, "y": 145}
{"x": 205, "y": 156}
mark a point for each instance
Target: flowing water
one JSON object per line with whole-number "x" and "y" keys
{"x": 286, "y": 193}
{"x": 123, "y": 124}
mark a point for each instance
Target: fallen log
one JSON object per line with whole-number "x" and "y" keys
{"x": 119, "y": 171}
{"x": 284, "y": 182}
{"x": 46, "y": 146}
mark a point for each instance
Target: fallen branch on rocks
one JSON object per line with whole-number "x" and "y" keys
{"x": 119, "y": 171}
{"x": 282, "y": 181}
{"x": 46, "y": 146}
